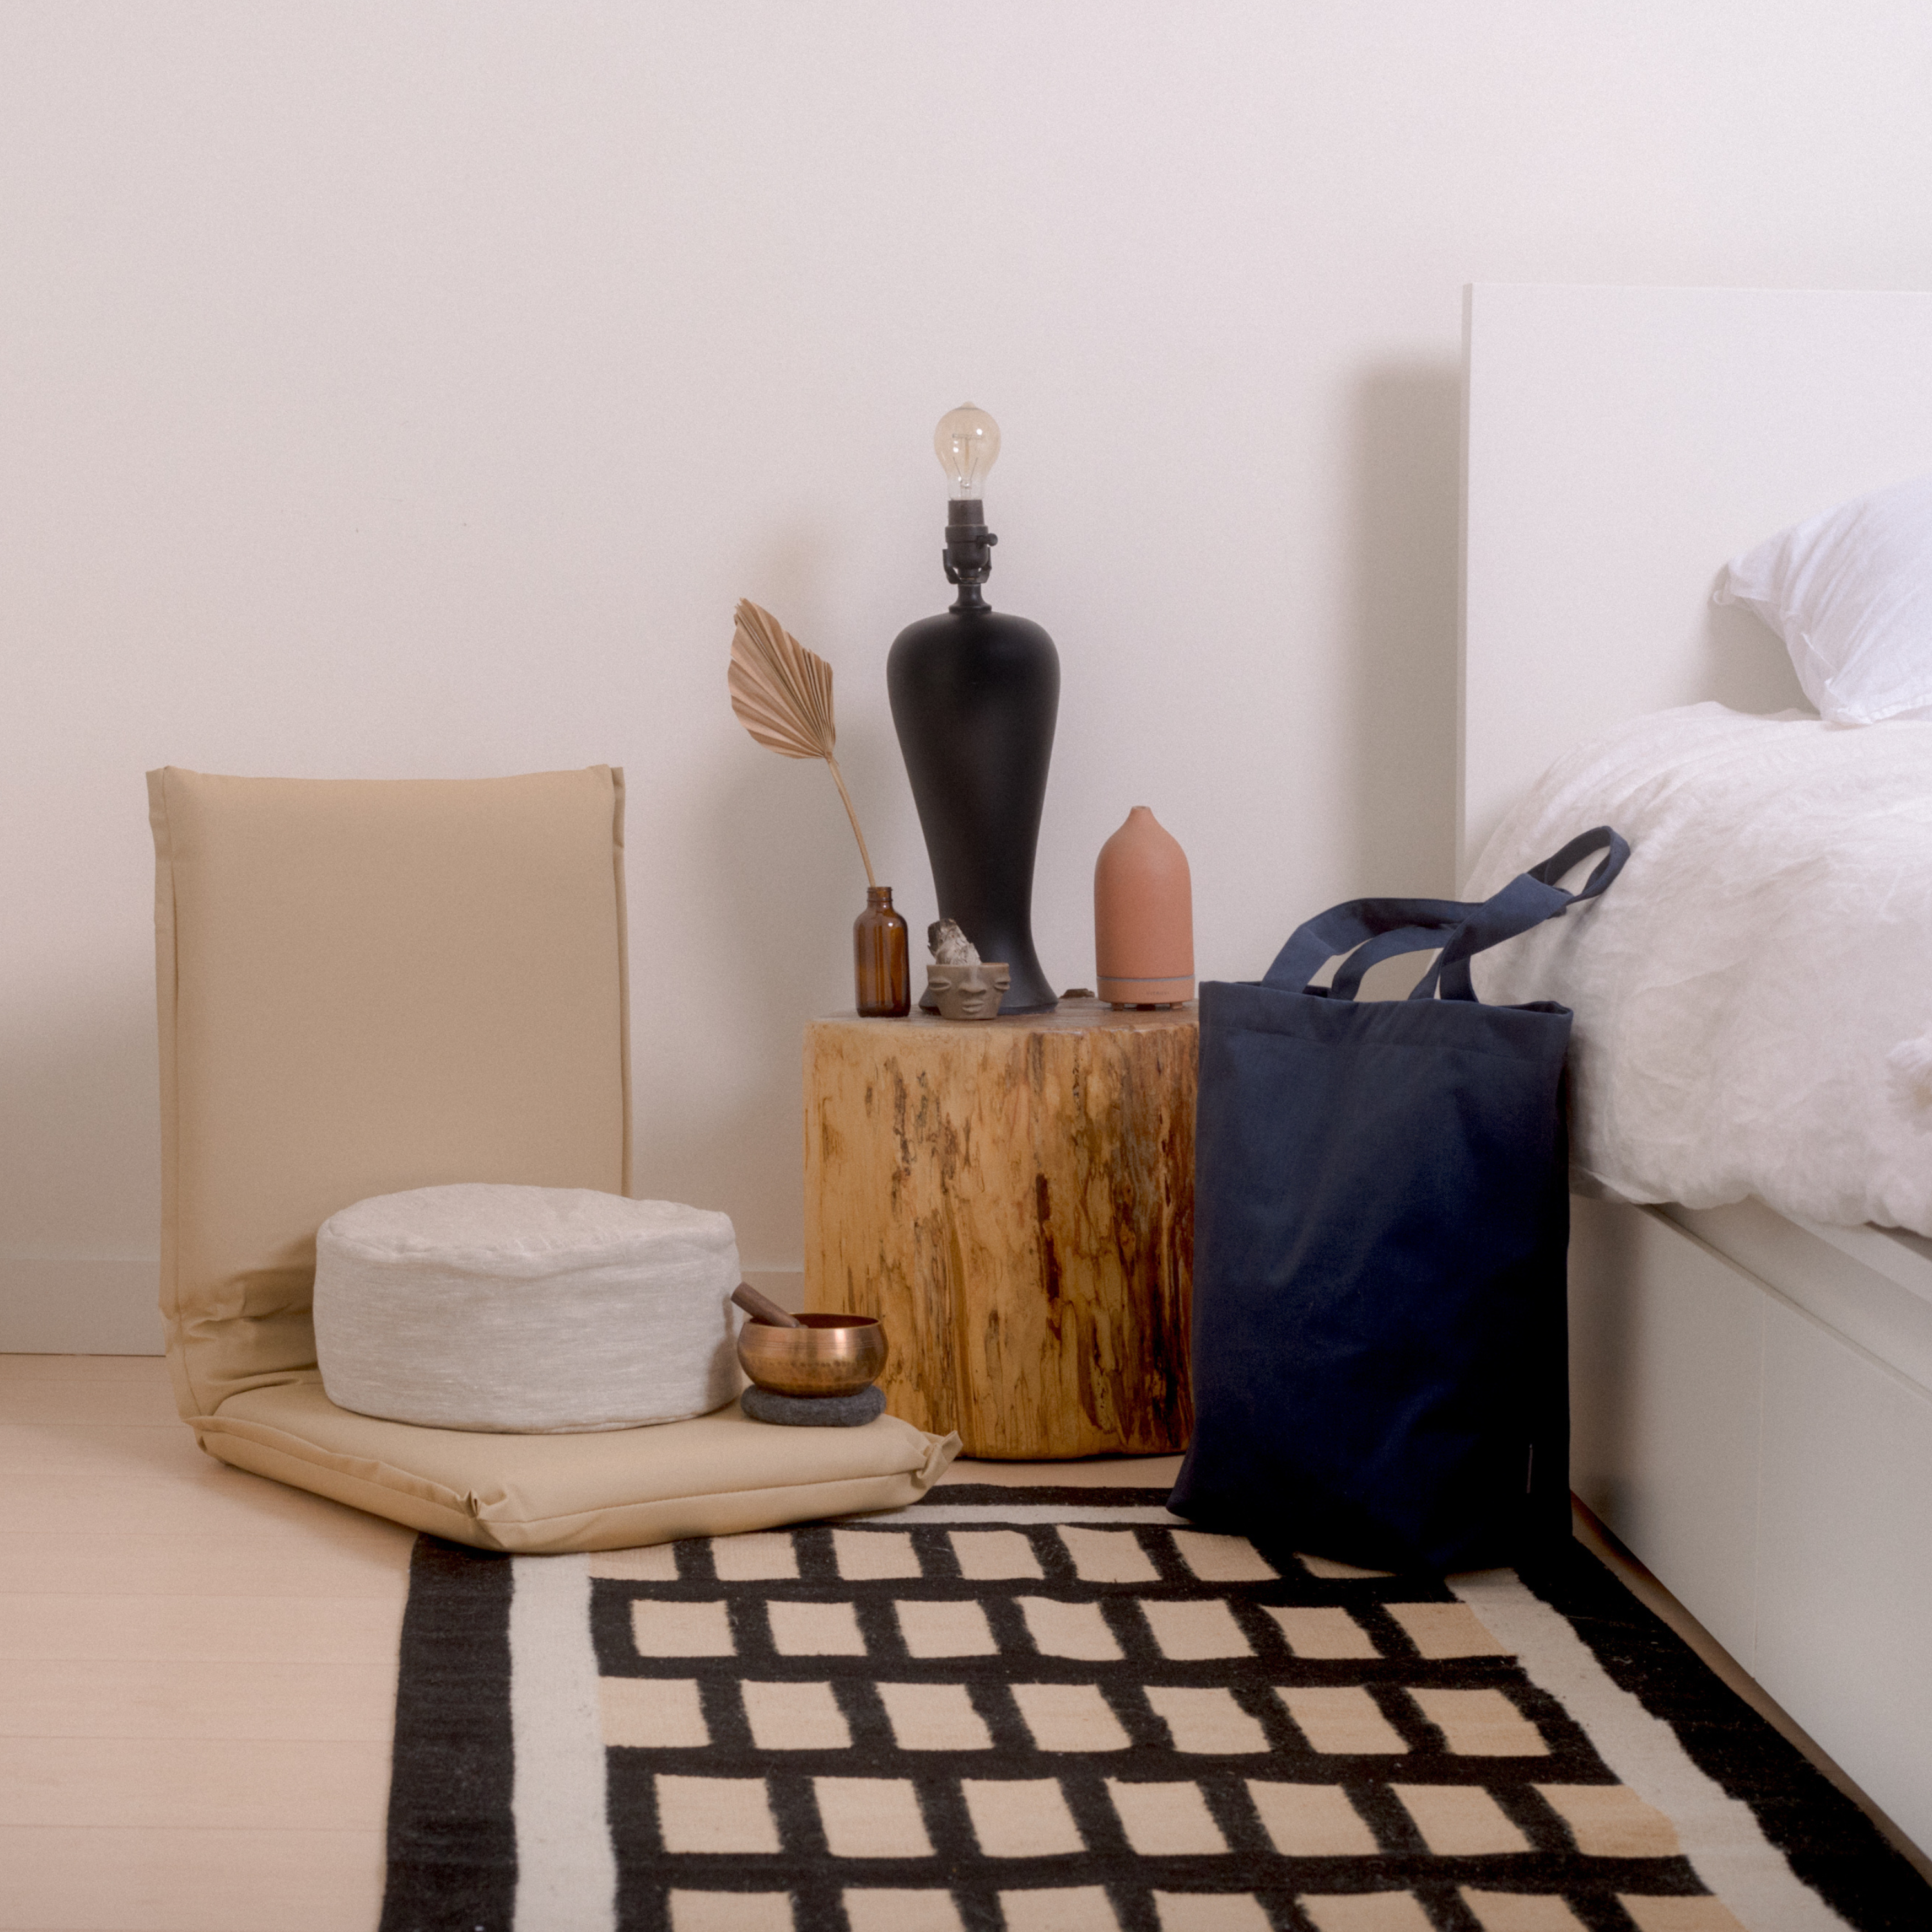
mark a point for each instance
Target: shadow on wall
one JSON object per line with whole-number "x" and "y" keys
{"x": 1405, "y": 445}
{"x": 1743, "y": 663}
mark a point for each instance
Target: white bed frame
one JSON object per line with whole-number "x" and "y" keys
{"x": 1752, "y": 1396}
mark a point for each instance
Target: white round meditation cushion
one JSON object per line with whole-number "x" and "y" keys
{"x": 526, "y": 1310}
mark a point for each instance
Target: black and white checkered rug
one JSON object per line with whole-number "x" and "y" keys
{"x": 1066, "y": 1710}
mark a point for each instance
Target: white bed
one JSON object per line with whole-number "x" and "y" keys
{"x": 1752, "y": 1394}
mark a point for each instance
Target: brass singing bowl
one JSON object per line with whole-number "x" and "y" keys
{"x": 831, "y": 1355}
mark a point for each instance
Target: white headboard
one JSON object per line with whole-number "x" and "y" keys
{"x": 1619, "y": 445}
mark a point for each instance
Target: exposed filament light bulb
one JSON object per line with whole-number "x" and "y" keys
{"x": 968, "y": 444}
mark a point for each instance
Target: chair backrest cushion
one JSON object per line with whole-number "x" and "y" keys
{"x": 366, "y": 985}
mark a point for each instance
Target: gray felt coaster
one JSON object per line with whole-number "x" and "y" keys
{"x": 814, "y": 1412}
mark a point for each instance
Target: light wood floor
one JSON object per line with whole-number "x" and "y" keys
{"x": 197, "y": 1668}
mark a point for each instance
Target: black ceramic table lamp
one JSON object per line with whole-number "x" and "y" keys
{"x": 974, "y": 695}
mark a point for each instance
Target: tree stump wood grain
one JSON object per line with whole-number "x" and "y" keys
{"x": 1014, "y": 1199}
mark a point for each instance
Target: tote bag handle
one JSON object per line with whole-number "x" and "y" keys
{"x": 1371, "y": 930}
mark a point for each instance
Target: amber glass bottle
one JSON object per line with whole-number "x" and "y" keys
{"x": 883, "y": 973}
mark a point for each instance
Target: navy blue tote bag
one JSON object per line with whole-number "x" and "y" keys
{"x": 1381, "y": 1225}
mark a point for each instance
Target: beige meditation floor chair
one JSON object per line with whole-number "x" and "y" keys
{"x": 370, "y": 985}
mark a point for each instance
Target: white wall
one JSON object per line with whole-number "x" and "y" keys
{"x": 410, "y": 389}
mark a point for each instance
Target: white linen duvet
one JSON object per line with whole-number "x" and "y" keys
{"x": 1753, "y": 996}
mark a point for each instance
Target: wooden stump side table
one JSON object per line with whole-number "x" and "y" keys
{"x": 1014, "y": 1199}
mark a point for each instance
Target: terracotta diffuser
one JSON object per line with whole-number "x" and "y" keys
{"x": 1143, "y": 916}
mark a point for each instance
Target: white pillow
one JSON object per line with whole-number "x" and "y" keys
{"x": 526, "y": 1310}
{"x": 1850, "y": 593}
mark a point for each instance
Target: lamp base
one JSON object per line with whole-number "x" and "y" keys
{"x": 974, "y": 695}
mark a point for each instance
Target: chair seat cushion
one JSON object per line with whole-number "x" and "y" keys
{"x": 712, "y": 1476}
{"x": 525, "y": 1310}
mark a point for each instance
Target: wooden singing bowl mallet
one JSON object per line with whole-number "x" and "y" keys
{"x": 763, "y": 1308}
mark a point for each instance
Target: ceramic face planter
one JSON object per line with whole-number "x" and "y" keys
{"x": 968, "y": 992}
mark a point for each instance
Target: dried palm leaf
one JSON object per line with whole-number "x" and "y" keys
{"x": 782, "y": 693}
